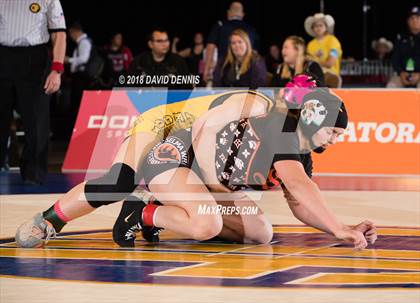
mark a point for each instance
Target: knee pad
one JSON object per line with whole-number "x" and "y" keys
{"x": 114, "y": 186}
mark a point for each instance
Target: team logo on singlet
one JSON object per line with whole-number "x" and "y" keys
{"x": 172, "y": 150}
{"x": 313, "y": 112}
{"x": 173, "y": 121}
{"x": 35, "y": 8}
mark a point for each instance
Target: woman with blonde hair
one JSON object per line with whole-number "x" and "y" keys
{"x": 296, "y": 61}
{"x": 242, "y": 66}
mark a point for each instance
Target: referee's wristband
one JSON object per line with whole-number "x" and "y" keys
{"x": 58, "y": 67}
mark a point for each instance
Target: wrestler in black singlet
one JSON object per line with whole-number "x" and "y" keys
{"x": 246, "y": 151}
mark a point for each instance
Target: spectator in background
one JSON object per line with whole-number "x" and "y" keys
{"x": 380, "y": 67}
{"x": 325, "y": 47}
{"x": 118, "y": 57}
{"x": 382, "y": 48}
{"x": 273, "y": 59}
{"x": 406, "y": 55}
{"x": 295, "y": 61}
{"x": 242, "y": 66}
{"x": 159, "y": 61}
{"x": 82, "y": 51}
{"x": 78, "y": 62}
{"x": 194, "y": 54}
{"x": 220, "y": 33}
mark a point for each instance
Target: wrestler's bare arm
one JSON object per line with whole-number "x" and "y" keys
{"x": 308, "y": 196}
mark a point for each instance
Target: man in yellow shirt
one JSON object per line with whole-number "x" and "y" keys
{"x": 325, "y": 47}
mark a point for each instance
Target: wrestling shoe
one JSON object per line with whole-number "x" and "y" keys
{"x": 129, "y": 222}
{"x": 35, "y": 233}
{"x": 151, "y": 233}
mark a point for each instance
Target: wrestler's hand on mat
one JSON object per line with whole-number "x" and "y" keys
{"x": 369, "y": 231}
{"x": 354, "y": 236}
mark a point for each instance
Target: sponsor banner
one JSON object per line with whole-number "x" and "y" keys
{"x": 101, "y": 125}
{"x": 382, "y": 137}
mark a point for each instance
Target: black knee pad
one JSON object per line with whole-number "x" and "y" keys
{"x": 114, "y": 186}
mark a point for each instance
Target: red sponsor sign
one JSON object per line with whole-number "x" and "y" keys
{"x": 103, "y": 120}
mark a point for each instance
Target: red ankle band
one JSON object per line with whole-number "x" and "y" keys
{"x": 148, "y": 214}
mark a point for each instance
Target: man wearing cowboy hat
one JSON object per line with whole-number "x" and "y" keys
{"x": 382, "y": 47}
{"x": 325, "y": 47}
{"x": 406, "y": 55}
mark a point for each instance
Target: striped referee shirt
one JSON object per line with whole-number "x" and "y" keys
{"x": 29, "y": 22}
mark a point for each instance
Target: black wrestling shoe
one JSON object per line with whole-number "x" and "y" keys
{"x": 151, "y": 233}
{"x": 129, "y": 222}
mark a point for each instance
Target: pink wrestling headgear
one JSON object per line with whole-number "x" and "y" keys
{"x": 297, "y": 88}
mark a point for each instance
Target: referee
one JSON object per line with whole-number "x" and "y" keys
{"x": 28, "y": 76}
